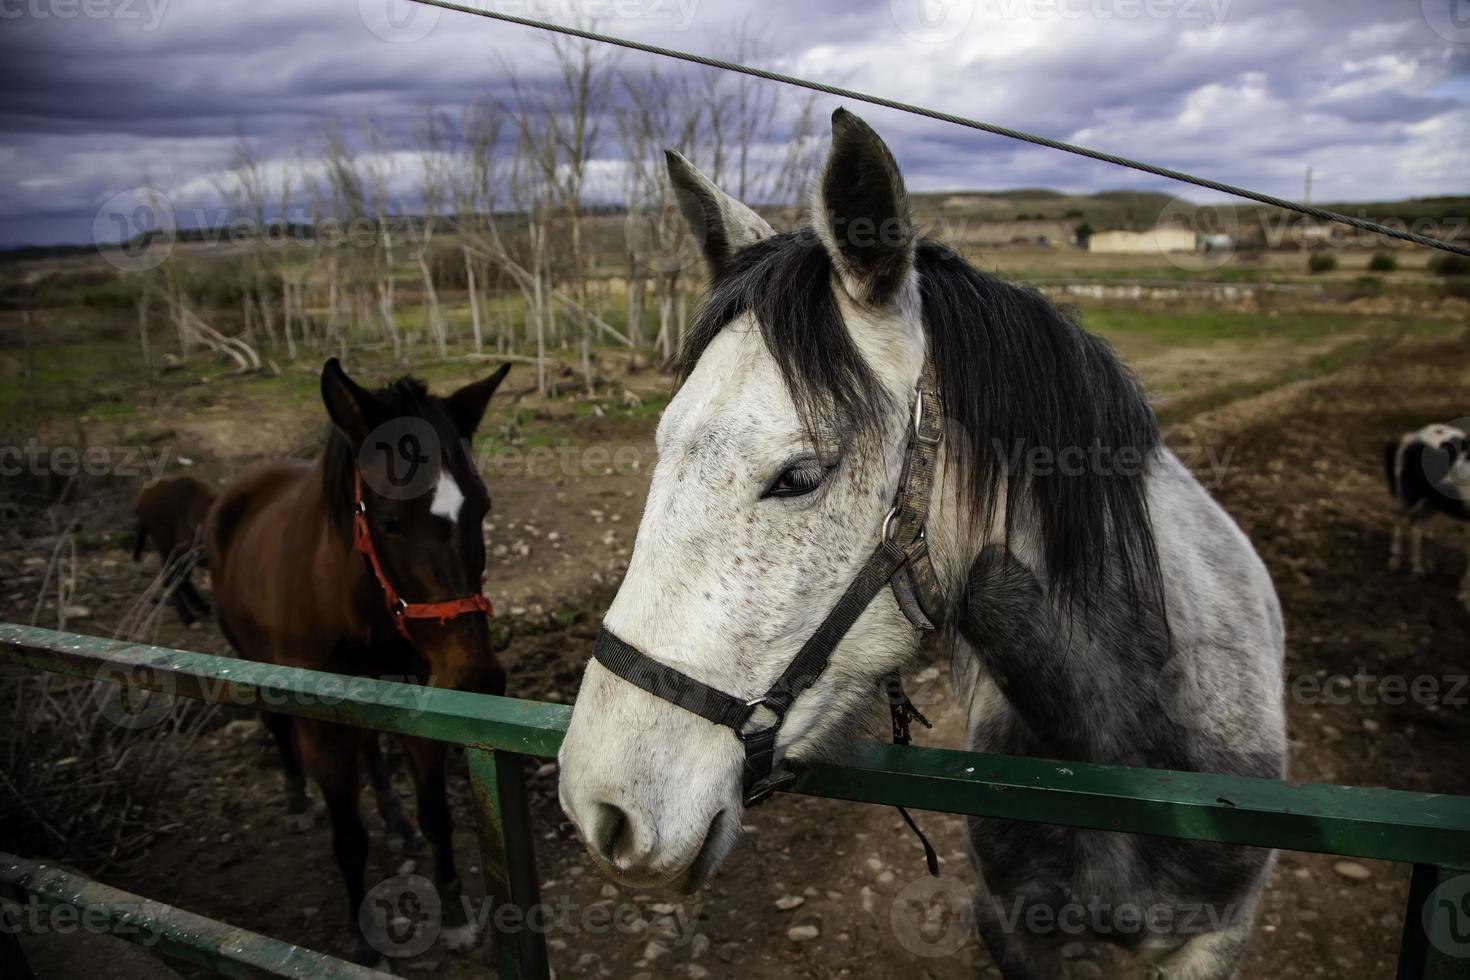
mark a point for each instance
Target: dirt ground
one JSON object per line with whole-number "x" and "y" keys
{"x": 820, "y": 888}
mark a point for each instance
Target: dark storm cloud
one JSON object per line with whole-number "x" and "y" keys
{"x": 1370, "y": 93}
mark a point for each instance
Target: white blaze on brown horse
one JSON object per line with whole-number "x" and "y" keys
{"x": 357, "y": 564}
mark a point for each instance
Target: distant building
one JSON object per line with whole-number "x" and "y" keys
{"x": 1155, "y": 240}
{"x": 1005, "y": 234}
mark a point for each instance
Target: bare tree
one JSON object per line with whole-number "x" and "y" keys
{"x": 378, "y": 171}
{"x": 433, "y": 188}
{"x": 247, "y": 184}
{"x": 659, "y": 115}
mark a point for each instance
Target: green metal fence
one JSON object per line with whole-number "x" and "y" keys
{"x": 1429, "y": 831}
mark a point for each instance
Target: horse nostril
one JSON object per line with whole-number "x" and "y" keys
{"x": 613, "y": 832}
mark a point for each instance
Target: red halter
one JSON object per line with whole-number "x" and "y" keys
{"x": 401, "y": 609}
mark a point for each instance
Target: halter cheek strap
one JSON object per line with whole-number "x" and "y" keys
{"x": 399, "y": 608}
{"x": 900, "y": 561}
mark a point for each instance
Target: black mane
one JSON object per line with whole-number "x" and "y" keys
{"x": 406, "y": 396}
{"x": 1016, "y": 375}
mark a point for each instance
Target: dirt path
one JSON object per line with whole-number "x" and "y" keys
{"x": 814, "y": 888}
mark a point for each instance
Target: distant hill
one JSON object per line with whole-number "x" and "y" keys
{"x": 1027, "y": 213}
{"x": 1108, "y": 209}
{"x": 1443, "y": 217}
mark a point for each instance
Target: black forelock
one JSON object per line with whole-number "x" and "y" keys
{"x": 1019, "y": 381}
{"x": 408, "y": 396}
{"x": 786, "y": 281}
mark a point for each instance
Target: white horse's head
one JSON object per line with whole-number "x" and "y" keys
{"x": 778, "y": 463}
{"x": 767, "y": 499}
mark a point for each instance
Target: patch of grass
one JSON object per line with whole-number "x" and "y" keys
{"x": 1336, "y": 359}
{"x": 1196, "y": 329}
{"x": 83, "y": 379}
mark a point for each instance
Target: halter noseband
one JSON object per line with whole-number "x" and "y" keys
{"x": 399, "y": 608}
{"x": 900, "y": 561}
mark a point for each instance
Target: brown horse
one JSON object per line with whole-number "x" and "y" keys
{"x": 170, "y": 513}
{"x": 367, "y": 562}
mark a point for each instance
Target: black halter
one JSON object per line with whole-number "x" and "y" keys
{"x": 900, "y": 561}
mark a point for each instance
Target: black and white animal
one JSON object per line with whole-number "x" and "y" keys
{"x": 1428, "y": 474}
{"x": 1103, "y": 607}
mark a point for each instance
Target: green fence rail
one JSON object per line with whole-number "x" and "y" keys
{"x": 1429, "y": 831}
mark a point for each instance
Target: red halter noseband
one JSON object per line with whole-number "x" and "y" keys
{"x": 399, "y": 608}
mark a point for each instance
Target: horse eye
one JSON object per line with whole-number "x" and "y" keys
{"x": 796, "y": 481}
{"x": 391, "y": 526}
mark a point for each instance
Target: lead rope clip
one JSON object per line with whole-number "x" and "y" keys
{"x": 903, "y": 714}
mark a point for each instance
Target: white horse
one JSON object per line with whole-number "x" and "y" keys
{"x": 1101, "y": 606}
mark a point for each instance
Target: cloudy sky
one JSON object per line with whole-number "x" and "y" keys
{"x": 103, "y": 95}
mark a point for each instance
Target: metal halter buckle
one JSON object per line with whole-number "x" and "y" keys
{"x": 764, "y": 701}
{"x": 885, "y": 535}
{"x": 919, "y": 435}
{"x": 400, "y": 606}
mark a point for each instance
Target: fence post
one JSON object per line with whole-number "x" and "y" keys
{"x": 518, "y": 922}
{"x": 1436, "y": 940}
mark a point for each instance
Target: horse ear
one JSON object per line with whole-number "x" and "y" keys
{"x": 467, "y": 405}
{"x": 861, "y": 213}
{"x": 722, "y": 224}
{"x": 351, "y": 407}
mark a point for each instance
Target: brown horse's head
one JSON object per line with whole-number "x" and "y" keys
{"x": 402, "y": 456}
